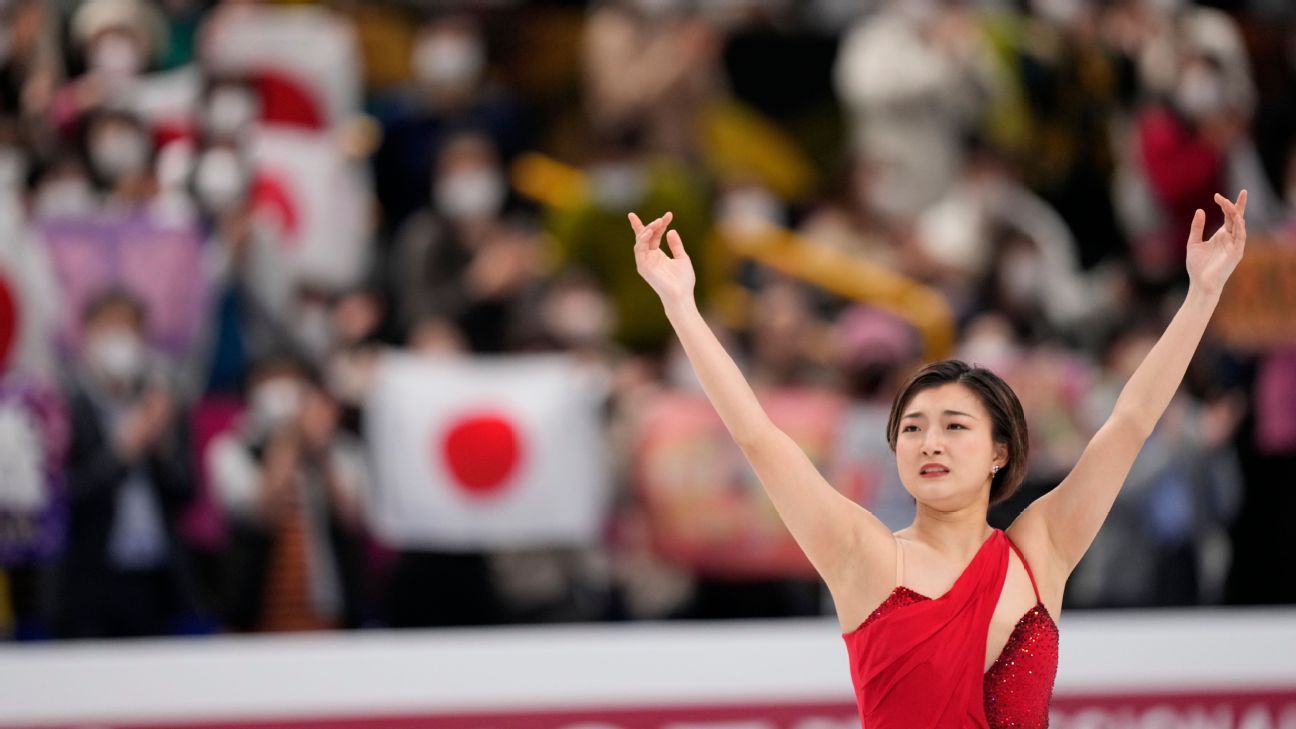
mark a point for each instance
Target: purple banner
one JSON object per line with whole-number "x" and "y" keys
{"x": 160, "y": 264}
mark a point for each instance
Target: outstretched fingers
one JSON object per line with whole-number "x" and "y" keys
{"x": 648, "y": 237}
{"x": 1234, "y": 224}
{"x": 1198, "y": 226}
{"x": 659, "y": 228}
{"x": 676, "y": 244}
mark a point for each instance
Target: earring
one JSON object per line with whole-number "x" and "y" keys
{"x": 994, "y": 470}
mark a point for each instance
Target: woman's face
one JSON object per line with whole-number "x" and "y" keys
{"x": 948, "y": 426}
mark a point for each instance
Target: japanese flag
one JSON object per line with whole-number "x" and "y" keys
{"x": 306, "y": 61}
{"x": 487, "y": 452}
{"x": 314, "y": 199}
{"x": 30, "y": 299}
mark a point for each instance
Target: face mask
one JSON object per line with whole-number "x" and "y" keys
{"x": 1199, "y": 93}
{"x": 229, "y": 111}
{"x": 275, "y": 403}
{"x": 752, "y": 206}
{"x": 470, "y": 194}
{"x": 992, "y": 349}
{"x": 118, "y": 153}
{"x": 1021, "y": 276}
{"x": 315, "y": 330}
{"x": 65, "y": 198}
{"x": 116, "y": 354}
{"x": 579, "y": 317}
{"x": 1061, "y": 12}
{"x": 449, "y": 61}
{"x": 13, "y": 168}
{"x": 219, "y": 180}
{"x": 617, "y": 184}
{"x": 116, "y": 55}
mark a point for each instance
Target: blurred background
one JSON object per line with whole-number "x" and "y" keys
{"x": 325, "y": 316}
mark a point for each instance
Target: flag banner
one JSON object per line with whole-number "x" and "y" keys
{"x": 305, "y": 61}
{"x": 1257, "y": 309}
{"x": 706, "y": 508}
{"x": 487, "y": 452}
{"x": 33, "y": 441}
{"x": 159, "y": 263}
{"x": 29, "y": 303}
{"x": 315, "y": 201}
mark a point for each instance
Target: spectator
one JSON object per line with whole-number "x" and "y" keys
{"x": 129, "y": 475}
{"x": 449, "y": 95}
{"x": 291, "y": 485}
{"x": 459, "y": 258}
{"x": 651, "y": 63}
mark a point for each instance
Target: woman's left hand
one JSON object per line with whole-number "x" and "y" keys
{"x": 1211, "y": 262}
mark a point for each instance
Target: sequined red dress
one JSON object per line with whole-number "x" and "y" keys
{"x": 918, "y": 661}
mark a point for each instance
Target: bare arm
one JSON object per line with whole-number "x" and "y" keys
{"x": 1070, "y": 516}
{"x": 840, "y": 538}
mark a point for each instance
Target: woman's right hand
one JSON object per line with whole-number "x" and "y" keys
{"x": 672, "y": 276}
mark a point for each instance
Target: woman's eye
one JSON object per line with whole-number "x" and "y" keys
{"x": 907, "y": 428}
{"x": 957, "y": 425}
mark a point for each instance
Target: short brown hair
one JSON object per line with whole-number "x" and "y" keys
{"x": 1008, "y": 421}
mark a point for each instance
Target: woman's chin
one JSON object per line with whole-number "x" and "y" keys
{"x": 942, "y": 494}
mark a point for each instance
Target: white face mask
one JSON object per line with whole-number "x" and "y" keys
{"x": 1061, "y": 12}
{"x": 617, "y": 184}
{"x": 117, "y": 354}
{"x": 315, "y": 330}
{"x": 1022, "y": 277}
{"x": 449, "y": 60}
{"x": 69, "y": 197}
{"x": 118, "y": 152}
{"x": 1199, "y": 93}
{"x": 116, "y": 55}
{"x": 579, "y": 317}
{"x": 230, "y": 111}
{"x": 275, "y": 403}
{"x": 750, "y": 208}
{"x": 220, "y": 180}
{"x": 477, "y": 193}
{"x": 13, "y": 168}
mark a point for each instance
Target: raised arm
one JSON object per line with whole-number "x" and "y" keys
{"x": 1066, "y": 520}
{"x": 843, "y": 541}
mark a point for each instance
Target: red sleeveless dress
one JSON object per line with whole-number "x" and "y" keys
{"x": 918, "y": 662}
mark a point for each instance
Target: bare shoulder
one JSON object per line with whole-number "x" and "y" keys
{"x": 868, "y": 577}
{"x": 1030, "y": 535}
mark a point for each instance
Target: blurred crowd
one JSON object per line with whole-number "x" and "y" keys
{"x": 216, "y": 218}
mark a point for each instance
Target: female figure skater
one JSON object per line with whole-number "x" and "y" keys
{"x": 949, "y": 623}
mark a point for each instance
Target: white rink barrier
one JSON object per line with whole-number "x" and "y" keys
{"x": 1207, "y": 669}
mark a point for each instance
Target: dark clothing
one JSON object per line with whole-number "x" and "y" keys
{"x": 96, "y": 598}
{"x": 247, "y": 571}
{"x": 438, "y": 589}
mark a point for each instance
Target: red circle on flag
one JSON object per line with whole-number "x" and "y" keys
{"x": 8, "y": 321}
{"x": 482, "y": 451}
